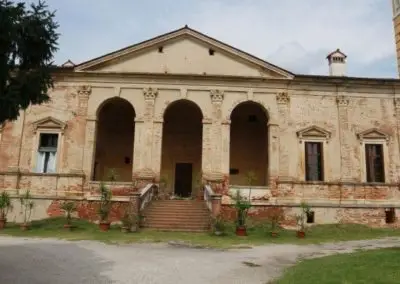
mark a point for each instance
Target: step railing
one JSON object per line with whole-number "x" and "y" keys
{"x": 212, "y": 200}
{"x": 146, "y": 195}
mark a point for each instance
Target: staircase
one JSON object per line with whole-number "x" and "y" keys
{"x": 177, "y": 215}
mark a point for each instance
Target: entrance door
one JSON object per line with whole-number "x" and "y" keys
{"x": 183, "y": 179}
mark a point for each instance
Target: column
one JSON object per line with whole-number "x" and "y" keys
{"x": 395, "y": 169}
{"x": 89, "y": 148}
{"x": 283, "y": 100}
{"x": 214, "y": 145}
{"x": 345, "y": 144}
{"x": 143, "y": 169}
{"x": 273, "y": 154}
{"x": 80, "y": 133}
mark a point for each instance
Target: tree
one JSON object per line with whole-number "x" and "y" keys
{"x": 28, "y": 41}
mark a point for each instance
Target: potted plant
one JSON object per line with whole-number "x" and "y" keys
{"x": 301, "y": 220}
{"x": 68, "y": 207}
{"x": 126, "y": 222}
{"x": 27, "y": 205}
{"x": 105, "y": 207}
{"x": 242, "y": 205}
{"x": 5, "y": 206}
{"x": 275, "y": 218}
{"x": 218, "y": 226}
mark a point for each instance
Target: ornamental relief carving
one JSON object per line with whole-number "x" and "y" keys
{"x": 342, "y": 101}
{"x": 150, "y": 93}
{"x": 397, "y": 102}
{"x": 84, "y": 90}
{"x": 282, "y": 98}
{"x": 217, "y": 96}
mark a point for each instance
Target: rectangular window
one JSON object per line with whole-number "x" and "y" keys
{"x": 374, "y": 163}
{"x": 47, "y": 153}
{"x": 314, "y": 161}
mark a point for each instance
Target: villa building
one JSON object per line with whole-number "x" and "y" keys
{"x": 186, "y": 108}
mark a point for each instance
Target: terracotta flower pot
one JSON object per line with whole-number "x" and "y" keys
{"x": 301, "y": 234}
{"x": 3, "y": 222}
{"x": 25, "y": 227}
{"x": 68, "y": 227}
{"x": 104, "y": 226}
{"x": 241, "y": 231}
{"x": 274, "y": 234}
{"x": 125, "y": 229}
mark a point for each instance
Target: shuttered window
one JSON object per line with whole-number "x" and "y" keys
{"x": 314, "y": 161}
{"x": 374, "y": 163}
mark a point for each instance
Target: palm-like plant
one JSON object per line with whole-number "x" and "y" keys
{"x": 68, "y": 207}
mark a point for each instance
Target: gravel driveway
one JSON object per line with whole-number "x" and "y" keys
{"x": 34, "y": 261}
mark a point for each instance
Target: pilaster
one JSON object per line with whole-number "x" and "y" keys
{"x": 89, "y": 148}
{"x": 283, "y": 100}
{"x": 273, "y": 154}
{"x": 84, "y": 93}
{"x": 344, "y": 134}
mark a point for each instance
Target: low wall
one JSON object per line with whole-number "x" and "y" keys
{"x": 48, "y": 206}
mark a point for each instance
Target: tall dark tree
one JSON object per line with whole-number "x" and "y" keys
{"x": 28, "y": 41}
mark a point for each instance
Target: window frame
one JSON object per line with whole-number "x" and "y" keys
{"x": 322, "y": 163}
{"x": 373, "y": 136}
{"x": 313, "y": 134}
{"x": 48, "y": 125}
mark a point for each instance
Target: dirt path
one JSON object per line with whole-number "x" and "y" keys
{"x": 32, "y": 261}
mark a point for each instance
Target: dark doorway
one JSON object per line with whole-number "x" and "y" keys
{"x": 183, "y": 179}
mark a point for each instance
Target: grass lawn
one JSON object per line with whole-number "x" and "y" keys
{"x": 376, "y": 266}
{"x": 53, "y": 227}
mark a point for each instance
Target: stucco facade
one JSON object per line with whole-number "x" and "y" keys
{"x": 184, "y": 98}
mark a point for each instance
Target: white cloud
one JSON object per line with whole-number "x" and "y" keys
{"x": 294, "y": 34}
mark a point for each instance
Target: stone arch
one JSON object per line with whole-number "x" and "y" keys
{"x": 160, "y": 115}
{"x": 115, "y": 131}
{"x": 249, "y": 143}
{"x": 236, "y": 103}
{"x": 106, "y": 101}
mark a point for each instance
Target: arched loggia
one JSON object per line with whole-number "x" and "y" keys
{"x": 182, "y": 147}
{"x": 249, "y": 144}
{"x": 114, "y": 140}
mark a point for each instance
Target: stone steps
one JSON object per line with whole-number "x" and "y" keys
{"x": 177, "y": 215}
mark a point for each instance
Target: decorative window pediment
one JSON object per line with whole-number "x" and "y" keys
{"x": 313, "y": 132}
{"x": 373, "y": 134}
{"x": 49, "y": 123}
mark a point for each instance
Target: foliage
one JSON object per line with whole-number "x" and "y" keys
{"x": 27, "y": 205}
{"x": 251, "y": 177}
{"x": 301, "y": 218}
{"x": 112, "y": 175}
{"x": 105, "y": 202}
{"x": 275, "y": 217}
{"x": 68, "y": 207}
{"x": 5, "y": 204}
{"x": 242, "y": 205}
{"x": 218, "y": 225}
{"x": 375, "y": 266}
{"x": 28, "y": 41}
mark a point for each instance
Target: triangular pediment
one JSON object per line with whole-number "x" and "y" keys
{"x": 184, "y": 52}
{"x": 313, "y": 132}
{"x": 373, "y": 134}
{"x": 49, "y": 123}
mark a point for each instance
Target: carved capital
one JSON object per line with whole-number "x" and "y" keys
{"x": 397, "y": 103}
{"x": 84, "y": 90}
{"x": 342, "y": 101}
{"x": 150, "y": 93}
{"x": 282, "y": 98}
{"x": 217, "y": 96}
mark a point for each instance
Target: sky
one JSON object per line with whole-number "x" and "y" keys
{"x": 295, "y": 35}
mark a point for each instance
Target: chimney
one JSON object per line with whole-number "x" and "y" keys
{"x": 337, "y": 63}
